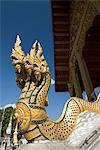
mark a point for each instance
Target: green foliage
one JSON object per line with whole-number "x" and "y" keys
{"x": 1, "y": 112}
{"x": 6, "y": 119}
{"x": 7, "y": 113}
{"x": 13, "y": 123}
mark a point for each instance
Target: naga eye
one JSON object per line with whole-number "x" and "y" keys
{"x": 35, "y": 65}
{"x": 14, "y": 58}
{"x": 28, "y": 62}
{"x": 42, "y": 65}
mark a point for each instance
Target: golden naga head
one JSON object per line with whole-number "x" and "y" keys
{"x": 32, "y": 64}
{"x": 35, "y": 62}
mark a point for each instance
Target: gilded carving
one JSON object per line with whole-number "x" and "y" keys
{"x": 77, "y": 10}
{"x": 30, "y": 114}
{"x": 90, "y": 15}
{"x": 81, "y": 19}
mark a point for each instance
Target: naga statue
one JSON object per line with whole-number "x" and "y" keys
{"x": 33, "y": 78}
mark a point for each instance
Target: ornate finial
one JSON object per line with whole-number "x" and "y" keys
{"x": 18, "y": 40}
{"x": 17, "y": 46}
{"x": 39, "y": 52}
{"x": 33, "y": 52}
{"x": 33, "y": 49}
{"x": 17, "y": 52}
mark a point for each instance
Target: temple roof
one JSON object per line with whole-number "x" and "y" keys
{"x": 61, "y": 33}
{"x": 60, "y": 16}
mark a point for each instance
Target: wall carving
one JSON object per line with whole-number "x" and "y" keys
{"x": 81, "y": 19}
{"x": 77, "y": 9}
{"x": 83, "y": 15}
{"x": 88, "y": 20}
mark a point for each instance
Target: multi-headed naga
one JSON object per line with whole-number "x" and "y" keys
{"x": 33, "y": 78}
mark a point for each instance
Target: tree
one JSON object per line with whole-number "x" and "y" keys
{"x": 6, "y": 119}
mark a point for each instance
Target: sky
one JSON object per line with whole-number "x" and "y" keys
{"x": 32, "y": 21}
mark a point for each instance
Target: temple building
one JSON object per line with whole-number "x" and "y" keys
{"x": 76, "y": 31}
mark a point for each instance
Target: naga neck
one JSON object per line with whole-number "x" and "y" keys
{"x": 36, "y": 93}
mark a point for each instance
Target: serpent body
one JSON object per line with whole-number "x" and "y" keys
{"x": 30, "y": 111}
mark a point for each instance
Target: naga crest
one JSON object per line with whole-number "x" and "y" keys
{"x": 27, "y": 66}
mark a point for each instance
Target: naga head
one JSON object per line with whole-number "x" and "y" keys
{"x": 18, "y": 57}
{"x": 35, "y": 63}
{"x": 32, "y": 65}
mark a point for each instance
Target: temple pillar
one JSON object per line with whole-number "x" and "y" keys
{"x": 76, "y": 81}
{"x": 85, "y": 75}
{"x": 88, "y": 76}
{"x": 70, "y": 88}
